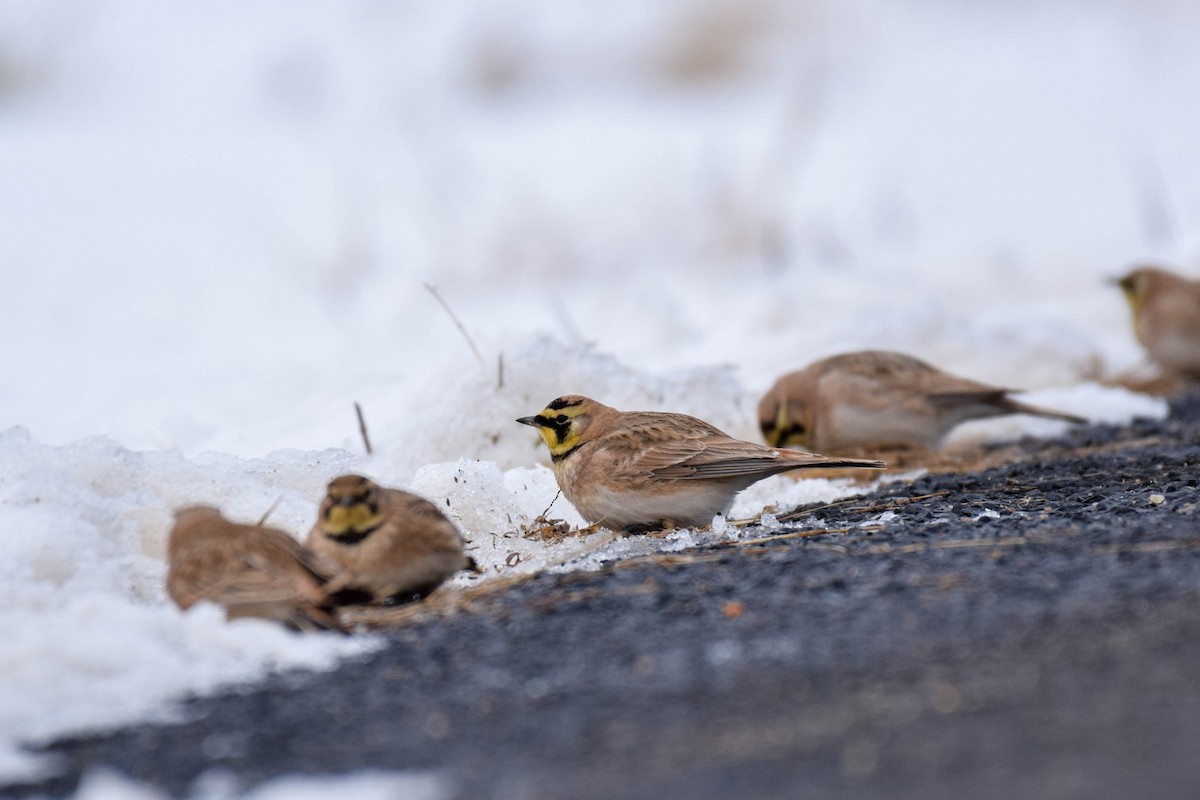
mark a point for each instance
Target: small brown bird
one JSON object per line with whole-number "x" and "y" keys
{"x": 386, "y": 544}
{"x": 646, "y": 470}
{"x": 251, "y": 570}
{"x": 1166, "y": 317}
{"x": 876, "y": 399}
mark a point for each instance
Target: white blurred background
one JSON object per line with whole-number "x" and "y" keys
{"x": 217, "y": 219}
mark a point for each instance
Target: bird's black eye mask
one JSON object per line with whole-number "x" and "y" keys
{"x": 561, "y": 425}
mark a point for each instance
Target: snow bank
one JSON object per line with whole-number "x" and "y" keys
{"x": 103, "y": 784}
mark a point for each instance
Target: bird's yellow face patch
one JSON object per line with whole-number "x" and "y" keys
{"x": 350, "y": 508}
{"x": 783, "y": 430}
{"x": 561, "y": 425}
{"x": 358, "y": 518}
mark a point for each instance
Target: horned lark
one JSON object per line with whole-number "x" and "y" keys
{"x": 1166, "y": 317}
{"x": 386, "y": 544}
{"x": 251, "y": 570}
{"x": 644, "y": 470}
{"x": 877, "y": 399}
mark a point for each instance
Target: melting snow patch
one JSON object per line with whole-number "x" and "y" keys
{"x": 780, "y": 494}
{"x": 107, "y": 784}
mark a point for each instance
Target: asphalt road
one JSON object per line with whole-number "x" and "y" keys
{"x": 1030, "y": 630}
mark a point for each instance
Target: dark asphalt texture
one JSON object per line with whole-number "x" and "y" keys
{"x": 1052, "y": 651}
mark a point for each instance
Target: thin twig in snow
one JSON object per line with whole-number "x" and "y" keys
{"x": 263, "y": 519}
{"x": 433, "y": 291}
{"x": 362, "y": 427}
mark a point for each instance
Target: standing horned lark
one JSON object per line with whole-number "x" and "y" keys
{"x": 644, "y": 470}
{"x": 877, "y": 399}
{"x": 251, "y": 570}
{"x": 1166, "y": 317}
{"x": 385, "y": 543}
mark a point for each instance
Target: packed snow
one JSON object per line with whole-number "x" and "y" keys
{"x": 103, "y": 784}
{"x": 222, "y": 225}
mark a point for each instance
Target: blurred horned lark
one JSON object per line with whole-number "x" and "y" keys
{"x": 875, "y": 399}
{"x": 251, "y": 570}
{"x": 645, "y": 470}
{"x": 1166, "y": 317}
{"x": 385, "y": 543}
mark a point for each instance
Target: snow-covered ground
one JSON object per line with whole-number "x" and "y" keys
{"x": 103, "y": 784}
{"x": 218, "y": 223}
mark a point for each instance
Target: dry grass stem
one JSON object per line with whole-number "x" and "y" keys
{"x": 952, "y": 544}
{"x": 444, "y": 602}
{"x": 884, "y": 506}
{"x": 457, "y": 322}
{"x": 1146, "y": 547}
{"x": 362, "y": 427}
{"x": 266, "y": 514}
{"x": 806, "y": 534}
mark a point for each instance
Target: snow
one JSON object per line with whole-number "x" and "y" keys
{"x": 104, "y": 784}
{"x": 217, "y": 224}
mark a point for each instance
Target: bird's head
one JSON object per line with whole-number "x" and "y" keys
{"x": 564, "y": 422}
{"x": 784, "y": 420}
{"x": 350, "y": 509}
{"x": 1139, "y": 284}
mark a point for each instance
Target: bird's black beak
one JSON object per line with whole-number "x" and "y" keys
{"x": 534, "y": 421}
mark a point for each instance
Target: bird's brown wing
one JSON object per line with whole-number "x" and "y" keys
{"x": 714, "y": 464}
{"x": 317, "y": 568}
{"x": 869, "y": 370}
{"x": 200, "y": 572}
{"x": 425, "y": 520}
{"x": 677, "y": 447}
{"x": 875, "y": 368}
{"x": 714, "y": 456}
{"x": 647, "y": 444}
{"x": 262, "y": 570}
